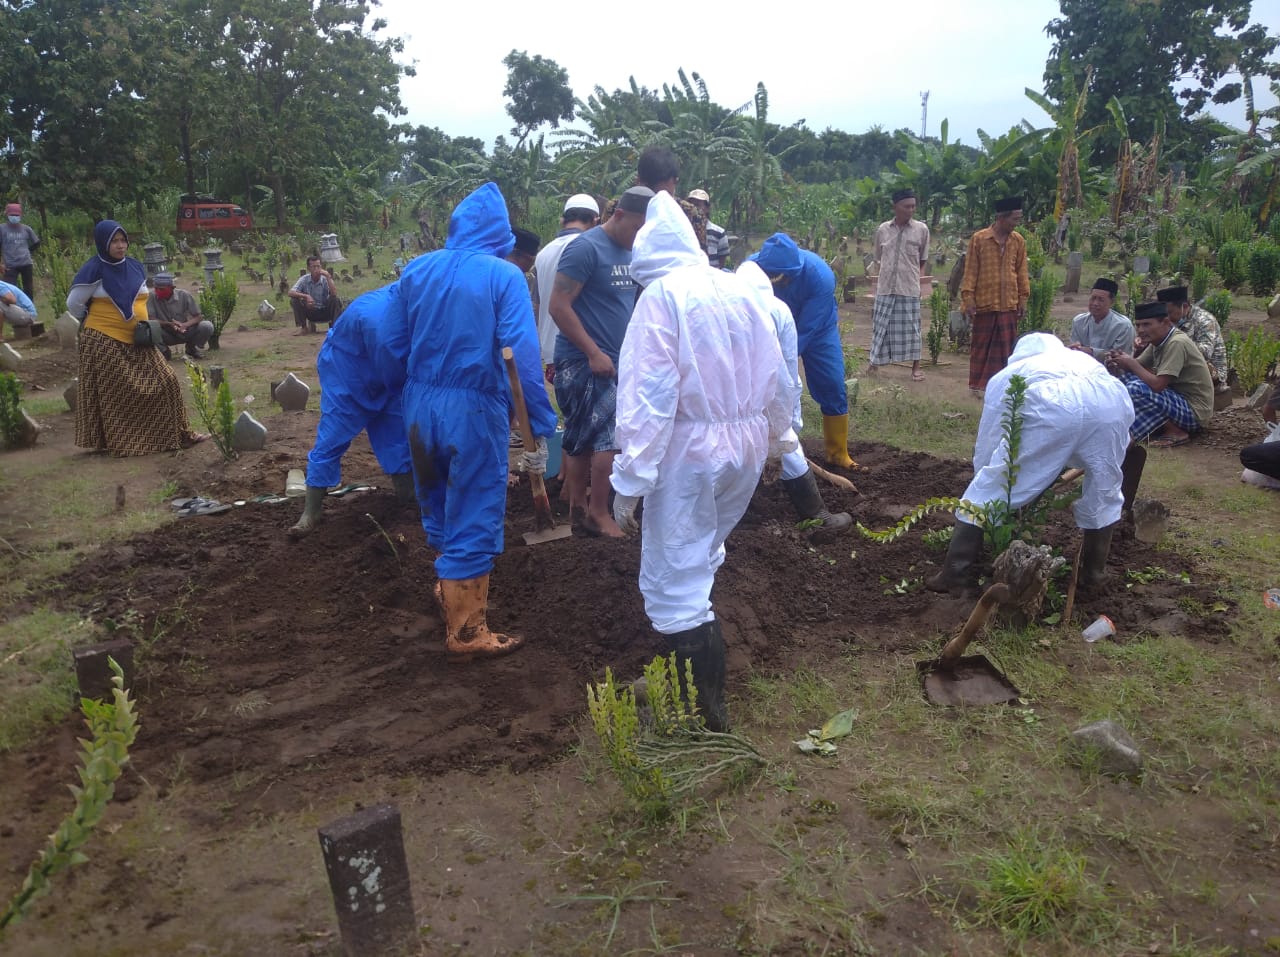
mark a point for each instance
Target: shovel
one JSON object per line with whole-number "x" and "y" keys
{"x": 545, "y": 527}
{"x": 970, "y": 680}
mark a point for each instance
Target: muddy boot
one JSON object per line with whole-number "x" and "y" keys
{"x": 402, "y": 482}
{"x": 835, "y": 440}
{"x": 311, "y": 513}
{"x": 957, "y": 570}
{"x": 807, "y": 501}
{"x": 704, "y": 647}
{"x": 1131, "y": 474}
{"x": 466, "y": 603}
{"x": 1093, "y": 557}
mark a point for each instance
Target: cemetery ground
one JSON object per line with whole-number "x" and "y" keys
{"x": 281, "y": 686}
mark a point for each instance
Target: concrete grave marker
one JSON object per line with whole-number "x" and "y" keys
{"x": 266, "y": 311}
{"x": 67, "y": 329}
{"x": 69, "y": 393}
{"x": 10, "y": 358}
{"x": 249, "y": 435}
{"x": 1141, "y": 265}
{"x": 93, "y": 674}
{"x": 329, "y": 251}
{"x": 292, "y": 393}
{"x": 1075, "y": 263}
{"x": 369, "y": 879}
{"x": 1118, "y": 753}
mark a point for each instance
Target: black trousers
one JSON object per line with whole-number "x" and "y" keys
{"x": 26, "y": 273}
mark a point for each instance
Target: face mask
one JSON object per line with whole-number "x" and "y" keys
{"x": 164, "y": 292}
{"x": 15, "y": 220}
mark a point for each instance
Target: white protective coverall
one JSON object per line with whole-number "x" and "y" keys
{"x": 702, "y": 398}
{"x": 1075, "y": 415}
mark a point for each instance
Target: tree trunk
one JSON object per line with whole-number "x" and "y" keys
{"x": 184, "y": 145}
{"x": 277, "y": 186}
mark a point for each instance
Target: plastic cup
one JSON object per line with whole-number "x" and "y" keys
{"x": 1101, "y": 628}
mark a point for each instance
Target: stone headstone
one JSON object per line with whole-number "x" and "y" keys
{"x": 28, "y": 431}
{"x": 292, "y": 393}
{"x": 93, "y": 672}
{"x": 329, "y": 251}
{"x": 153, "y": 258}
{"x": 1075, "y": 264}
{"x": 69, "y": 393}
{"x": 1258, "y": 396}
{"x": 67, "y": 329}
{"x": 10, "y": 358}
{"x": 1141, "y": 265}
{"x": 369, "y": 880}
{"x": 215, "y": 377}
{"x": 212, "y": 264}
{"x": 1118, "y": 753}
{"x": 249, "y": 435}
{"x": 266, "y": 311}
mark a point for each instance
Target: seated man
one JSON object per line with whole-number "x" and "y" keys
{"x": 179, "y": 315}
{"x": 15, "y": 306}
{"x": 1169, "y": 380}
{"x": 314, "y": 298}
{"x": 1074, "y": 415}
{"x": 1203, "y": 329}
{"x": 362, "y": 371}
{"x": 1102, "y": 329}
{"x": 1264, "y": 457}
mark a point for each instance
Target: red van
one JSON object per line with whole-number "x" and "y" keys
{"x": 208, "y": 215}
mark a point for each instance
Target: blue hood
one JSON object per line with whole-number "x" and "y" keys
{"x": 480, "y": 223}
{"x": 779, "y": 255}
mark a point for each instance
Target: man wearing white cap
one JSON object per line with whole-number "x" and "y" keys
{"x": 717, "y": 241}
{"x": 581, "y": 212}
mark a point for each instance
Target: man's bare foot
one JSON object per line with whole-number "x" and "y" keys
{"x": 607, "y": 527}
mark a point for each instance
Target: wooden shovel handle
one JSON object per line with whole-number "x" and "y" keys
{"x": 839, "y": 481}
{"x": 995, "y": 595}
{"x": 541, "y": 504}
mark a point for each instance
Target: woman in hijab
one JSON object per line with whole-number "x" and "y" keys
{"x": 128, "y": 401}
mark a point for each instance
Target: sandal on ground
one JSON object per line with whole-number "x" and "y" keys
{"x": 193, "y": 438}
{"x": 1168, "y": 442}
{"x": 203, "y": 506}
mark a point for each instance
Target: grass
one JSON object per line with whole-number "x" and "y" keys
{"x": 37, "y": 679}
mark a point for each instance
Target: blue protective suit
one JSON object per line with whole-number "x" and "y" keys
{"x": 362, "y": 369}
{"x": 464, "y": 303}
{"x": 810, "y": 294}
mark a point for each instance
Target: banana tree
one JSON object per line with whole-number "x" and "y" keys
{"x": 935, "y": 170}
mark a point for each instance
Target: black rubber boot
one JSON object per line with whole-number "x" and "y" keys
{"x": 704, "y": 647}
{"x": 1093, "y": 556}
{"x": 957, "y": 571}
{"x": 807, "y": 501}
{"x": 402, "y": 482}
{"x": 311, "y": 512}
{"x": 1135, "y": 459}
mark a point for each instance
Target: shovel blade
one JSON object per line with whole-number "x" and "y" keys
{"x": 970, "y": 680}
{"x": 547, "y": 534}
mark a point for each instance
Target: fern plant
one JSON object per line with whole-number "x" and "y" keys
{"x": 939, "y": 321}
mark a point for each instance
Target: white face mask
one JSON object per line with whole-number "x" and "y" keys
{"x": 15, "y": 220}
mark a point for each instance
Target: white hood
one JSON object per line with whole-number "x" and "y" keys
{"x": 1033, "y": 344}
{"x": 750, "y": 271}
{"x": 666, "y": 242}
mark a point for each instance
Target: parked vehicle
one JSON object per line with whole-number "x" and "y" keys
{"x": 203, "y": 213}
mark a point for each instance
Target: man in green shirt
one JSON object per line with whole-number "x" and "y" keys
{"x": 1168, "y": 381}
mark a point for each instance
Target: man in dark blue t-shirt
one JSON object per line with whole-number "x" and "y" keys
{"x": 591, "y": 303}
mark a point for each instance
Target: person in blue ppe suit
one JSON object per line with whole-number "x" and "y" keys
{"x": 463, "y": 304}
{"x": 361, "y": 367}
{"x": 807, "y": 285}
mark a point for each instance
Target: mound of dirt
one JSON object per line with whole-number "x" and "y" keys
{"x": 322, "y": 661}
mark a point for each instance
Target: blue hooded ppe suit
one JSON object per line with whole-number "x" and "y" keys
{"x": 810, "y": 295}
{"x": 464, "y": 304}
{"x": 362, "y": 367}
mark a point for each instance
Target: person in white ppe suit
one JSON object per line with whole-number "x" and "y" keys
{"x": 797, "y": 477}
{"x": 703, "y": 398}
{"x": 1075, "y": 414}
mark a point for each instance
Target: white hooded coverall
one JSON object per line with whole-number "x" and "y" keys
{"x": 701, "y": 397}
{"x": 1075, "y": 415}
{"x": 794, "y": 463}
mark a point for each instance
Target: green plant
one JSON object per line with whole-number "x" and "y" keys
{"x": 217, "y": 413}
{"x": 218, "y": 300}
{"x": 10, "y": 414}
{"x": 113, "y": 726}
{"x": 1252, "y": 356}
{"x": 939, "y": 321}
{"x": 1233, "y": 263}
{"x": 1219, "y": 303}
{"x": 1164, "y": 235}
{"x": 1038, "y": 305}
{"x": 1264, "y": 267}
{"x": 1133, "y": 292}
{"x": 1200, "y": 277}
{"x": 61, "y": 269}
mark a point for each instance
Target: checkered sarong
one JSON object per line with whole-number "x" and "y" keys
{"x": 895, "y": 329}
{"x": 992, "y": 337}
{"x": 1153, "y": 409}
{"x": 128, "y": 401}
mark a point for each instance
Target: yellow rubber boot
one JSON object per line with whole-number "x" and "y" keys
{"x": 465, "y": 603}
{"x": 835, "y": 438}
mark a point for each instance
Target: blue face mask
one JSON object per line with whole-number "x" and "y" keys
{"x": 15, "y": 220}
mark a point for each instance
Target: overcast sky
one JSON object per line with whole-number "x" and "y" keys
{"x": 851, "y": 70}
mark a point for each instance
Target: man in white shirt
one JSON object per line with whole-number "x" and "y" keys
{"x": 581, "y": 212}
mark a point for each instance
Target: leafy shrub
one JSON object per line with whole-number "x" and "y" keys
{"x": 939, "y": 321}
{"x": 10, "y": 416}
{"x": 218, "y": 301}
{"x": 1164, "y": 236}
{"x": 1233, "y": 263}
{"x": 1039, "y": 304}
{"x": 1220, "y": 305}
{"x": 1264, "y": 267}
{"x": 1200, "y": 277}
{"x": 217, "y": 412}
{"x": 1253, "y": 356}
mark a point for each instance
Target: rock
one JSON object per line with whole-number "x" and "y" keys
{"x": 10, "y": 358}
{"x": 1273, "y": 307}
{"x": 292, "y": 393}
{"x": 249, "y": 435}
{"x": 28, "y": 431}
{"x": 67, "y": 329}
{"x": 266, "y": 311}
{"x": 1258, "y": 396}
{"x": 69, "y": 393}
{"x": 1117, "y": 752}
